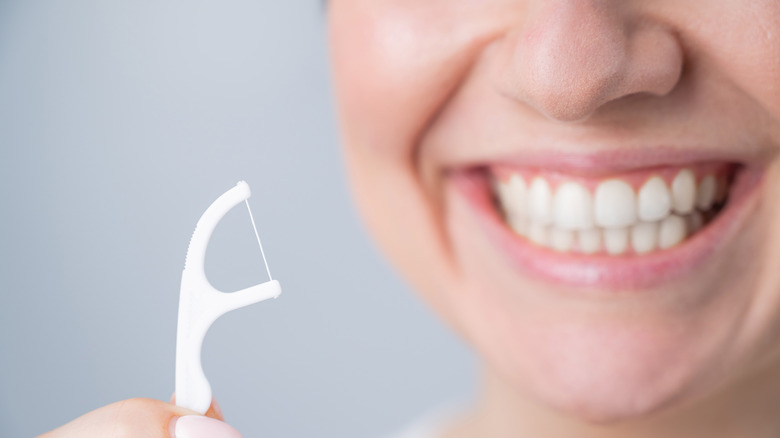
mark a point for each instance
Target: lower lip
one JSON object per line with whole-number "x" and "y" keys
{"x": 608, "y": 273}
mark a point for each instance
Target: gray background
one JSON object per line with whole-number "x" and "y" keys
{"x": 120, "y": 122}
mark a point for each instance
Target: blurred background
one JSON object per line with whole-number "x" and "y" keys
{"x": 120, "y": 122}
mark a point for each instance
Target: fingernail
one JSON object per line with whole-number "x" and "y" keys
{"x": 197, "y": 426}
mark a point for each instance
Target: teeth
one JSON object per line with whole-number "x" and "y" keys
{"x": 614, "y": 204}
{"x": 644, "y": 236}
{"x": 672, "y": 232}
{"x": 573, "y": 207}
{"x": 561, "y": 240}
{"x": 684, "y": 191}
{"x": 589, "y": 240}
{"x": 514, "y": 192}
{"x": 616, "y": 240}
{"x": 537, "y": 233}
{"x": 614, "y": 219}
{"x": 694, "y": 222}
{"x": 518, "y": 225}
{"x": 706, "y": 194}
{"x": 540, "y": 202}
{"x": 655, "y": 201}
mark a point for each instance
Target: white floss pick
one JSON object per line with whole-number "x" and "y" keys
{"x": 200, "y": 304}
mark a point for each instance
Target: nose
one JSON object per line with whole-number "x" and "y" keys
{"x": 571, "y": 57}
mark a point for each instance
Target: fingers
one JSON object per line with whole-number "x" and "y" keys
{"x": 144, "y": 418}
{"x": 198, "y": 426}
{"x": 214, "y": 410}
{"x": 127, "y": 418}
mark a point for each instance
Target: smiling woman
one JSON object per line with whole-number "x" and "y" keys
{"x": 588, "y": 193}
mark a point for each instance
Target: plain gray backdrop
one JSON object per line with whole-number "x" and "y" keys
{"x": 120, "y": 122}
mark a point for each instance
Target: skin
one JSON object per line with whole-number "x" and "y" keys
{"x": 136, "y": 417}
{"x": 428, "y": 88}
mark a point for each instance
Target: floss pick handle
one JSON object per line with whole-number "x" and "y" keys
{"x": 200, "y": 304}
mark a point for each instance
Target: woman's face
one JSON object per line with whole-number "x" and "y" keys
{"x": 588, "y": 191}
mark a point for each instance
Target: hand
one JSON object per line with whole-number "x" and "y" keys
{"x": 146, "y": 418}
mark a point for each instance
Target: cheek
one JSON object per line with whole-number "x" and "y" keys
{"x": 396, "y": 63}
{"x": 378, "y": 79}
{"x": 392, "y": 73}
{"x": 743, "y": 55}
{"x": 762, "y": 326}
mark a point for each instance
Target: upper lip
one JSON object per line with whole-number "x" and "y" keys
{"x": 607, "y": 162}
{"x": 589, "y": 154}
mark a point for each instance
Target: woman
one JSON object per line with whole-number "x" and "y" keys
{"x": 586, "y": 191}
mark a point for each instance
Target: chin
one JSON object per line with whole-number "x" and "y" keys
{"x": 600, "y": 374}
{"x": 621, "y": 381}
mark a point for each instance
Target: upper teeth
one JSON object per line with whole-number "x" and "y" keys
{"x": 612, "y": 216}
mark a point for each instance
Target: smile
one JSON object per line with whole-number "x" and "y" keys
{"x": 629, "y": 229}
{"x": 635, "y": 213}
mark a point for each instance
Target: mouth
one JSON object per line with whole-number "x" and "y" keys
{"x": 634, "y": 213}
{"x": 627, "y": 229}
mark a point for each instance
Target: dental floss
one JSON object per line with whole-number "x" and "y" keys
{"x": 200, "y": 304}
{"x": 258, "y": 239}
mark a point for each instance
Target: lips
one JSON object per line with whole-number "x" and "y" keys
{"x": 631, "y": 229}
